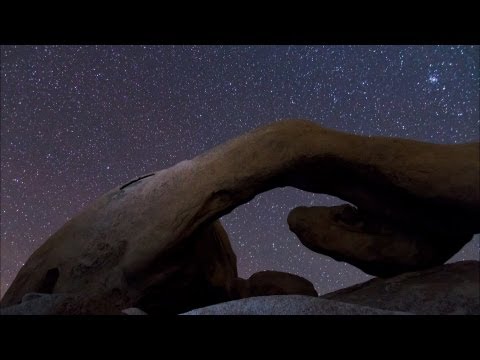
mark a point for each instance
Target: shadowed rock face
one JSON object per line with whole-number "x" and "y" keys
{"x": 197, "y": 273}
{"x": 378, "y": 248}
{"x": 265, "y": 283}
{"x": 183, "y": 278}
{"x": 173, "y": 297}
{"x": 119, "y": 246}
{"x": 448, "y": 289}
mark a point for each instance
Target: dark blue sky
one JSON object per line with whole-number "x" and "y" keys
{"x": 77, "y": 121}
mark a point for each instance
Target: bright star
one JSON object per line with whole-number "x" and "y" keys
{"x": 433, "y": 79}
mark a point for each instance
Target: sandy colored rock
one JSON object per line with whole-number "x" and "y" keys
{"x": 189, "y": 277}
{"x": 378, "y": 248}
{"x": 451, "y": 289}
{"x": 199, "y": 273}
{"x": 130, "y": 242}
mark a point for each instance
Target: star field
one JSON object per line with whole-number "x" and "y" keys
{"x": 77, "y": 121}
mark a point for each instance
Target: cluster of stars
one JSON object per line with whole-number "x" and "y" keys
{"x": 79, "y": 120}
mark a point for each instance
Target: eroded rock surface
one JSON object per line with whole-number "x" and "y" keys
{"x": 139, "y": 238}
{"x": 443, "y": 290}
{"x": 377, "y": 247}
{"x": 289, "y": 305}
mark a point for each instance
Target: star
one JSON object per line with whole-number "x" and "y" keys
{"x": 78, "y": 121}
{"x": 433, "y": 79}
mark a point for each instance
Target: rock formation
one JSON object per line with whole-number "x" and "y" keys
{"x": 289, "y": 305}
{"x": 64, "y": 304}
{"x": 451, "y": 289}
{"x": 34, "y": 304}
{"x": 183, "y": 278}
{"x": 140, "y": 240}
{"x": 378, "y": 248}
{"x": 133, "y": 311}
{"x": 272, "y": 283}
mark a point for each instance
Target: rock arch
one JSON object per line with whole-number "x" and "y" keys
{"x": 116, "y": 246}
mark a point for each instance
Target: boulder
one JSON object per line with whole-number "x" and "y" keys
{"x": 185, "y": 278}
{"x": 138, "y": 240}
{"x": 377, "y": 247}
{"x": 133, "y": 311}
{"x": 55, "y": 304}
{"x": 268, "y": 282}
{"x": 34, "y": 304}
{"x": 443, "y": 290}
{"x": 288, "y": 305}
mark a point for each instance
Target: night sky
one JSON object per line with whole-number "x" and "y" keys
{"x": 77, "y": 121}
